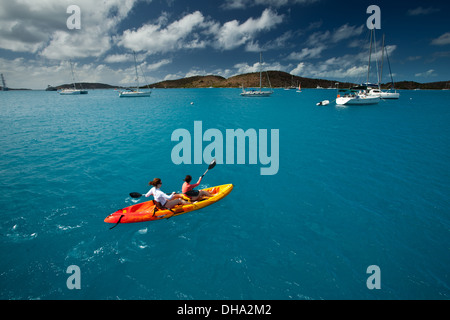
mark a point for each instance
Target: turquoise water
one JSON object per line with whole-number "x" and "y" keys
{"x": 357, "y": 186}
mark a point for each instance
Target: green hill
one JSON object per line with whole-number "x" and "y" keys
{"x": 86, "y": 85}
{"x": 278, "y": 79}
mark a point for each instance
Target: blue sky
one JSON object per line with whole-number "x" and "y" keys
{"x": 174, "y": 39}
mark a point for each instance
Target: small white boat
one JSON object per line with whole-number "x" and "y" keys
{"x": 299, "y": 88}
{"x": 323, "y": 103}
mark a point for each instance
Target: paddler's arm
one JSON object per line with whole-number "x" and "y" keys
{"x": 198, "y": 183}
{"x": 167, "y": 197}
{"x": 149, "y": 193}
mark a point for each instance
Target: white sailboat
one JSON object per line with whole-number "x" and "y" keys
{"x": 74, "y": 91}
{"x": 134, "y": 93}
{"x": 299, "y": 88}
{"x": 359, "y": 95}
{"x": 256, "y": 93}
{"x": 391, "y": 93}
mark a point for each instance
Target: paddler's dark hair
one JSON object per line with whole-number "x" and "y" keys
{"x": 188, "y": 178}
{"x": 155, "y": 182}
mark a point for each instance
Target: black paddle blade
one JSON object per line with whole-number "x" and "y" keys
{"x": 212, "y": 165}
{"x": 135, "y": 195}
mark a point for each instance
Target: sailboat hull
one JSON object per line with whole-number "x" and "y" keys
{"x": 256, "y": 94}
{"x": 390, "y": 95}
{"x": 358, "y": 100}
{"x": 134, "y": 94}
{"x": 72, "y": 92}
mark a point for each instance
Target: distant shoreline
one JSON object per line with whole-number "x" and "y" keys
{"x": 278, "y": 79}
{"x": 276, "y": 88}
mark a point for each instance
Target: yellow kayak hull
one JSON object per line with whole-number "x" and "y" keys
{"x": 143, "y": 212}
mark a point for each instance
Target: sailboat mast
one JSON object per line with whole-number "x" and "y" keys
{"x": 137, "y": 76}
{"x": 370, "y": 56}
{"x": 260, "y": 71}
{"x": 4, "y": 87}
{"x": 376, "y": 58}
{"x": 73, "y": 76}
{"x": 390, "y": 70}
{"x": 382, "y": 62}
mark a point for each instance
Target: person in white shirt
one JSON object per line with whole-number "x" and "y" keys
{"x": 164, "y": 200}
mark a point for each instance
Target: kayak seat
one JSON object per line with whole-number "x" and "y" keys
{"x": 159, "y": 206}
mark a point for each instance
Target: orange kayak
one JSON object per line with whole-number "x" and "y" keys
{"x": 142, "y": 212}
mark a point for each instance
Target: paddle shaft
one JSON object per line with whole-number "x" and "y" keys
{"x": 205, "y": 173}
{"x": 211, "y": 165}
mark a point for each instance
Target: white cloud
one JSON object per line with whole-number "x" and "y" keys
{"x": 173, "y": 76}
{"x": 196, "y": 72}
{"x": 352, "y": 68}
{"x": 345, "y": 32}
{"x": 40, "y": 27}
{"x": 345, "y": 67}
{"x": 253, "y": 47}
{"x": 37, "y": 74}
{"x": 426, "y": 74}
{"x": 227, "y": 73}
{"x": 442, "y": 40}
{"x": 299, "y": 69}
{"x": 242, "y": 68}
{"x": 414, "y": 58}
{"x": 332, "y": 70}
{"x": 422, "y": 11}
{"x": 25, "y": 26}
{"x": 194, "y": 31}
{"x": 157, "y": 38}
{"x": 233, "y": 34}
{"x": 318, "y": 38}
{"x": 77, "y": 45}
{"x": 307, "y": 53}
{"x": 280, "y": 42}
{"x": 158, "y": 65}
{"x": 118, "y": 58}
